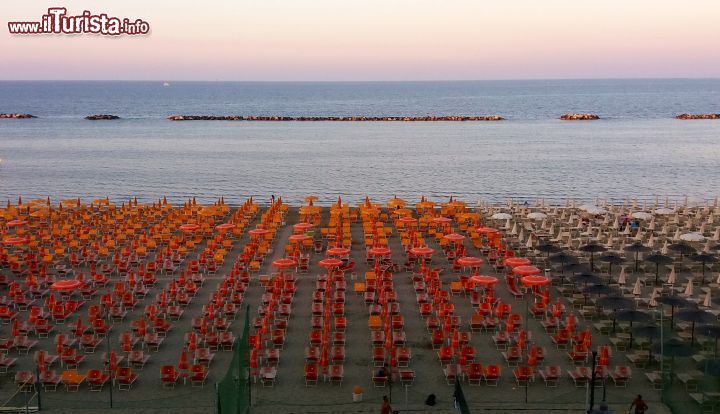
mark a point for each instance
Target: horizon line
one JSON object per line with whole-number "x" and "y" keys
{"x": 361, "y": 81}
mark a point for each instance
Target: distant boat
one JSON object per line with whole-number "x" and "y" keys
{"x": 166, "y": 84}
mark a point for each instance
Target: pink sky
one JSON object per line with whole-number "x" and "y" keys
{"x": 374, "y": 40}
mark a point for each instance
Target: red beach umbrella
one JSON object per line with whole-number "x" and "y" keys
{"x": 303, "y": 226}
{"x": 338, "y": 251}
{"x": 299, "y": 238}
{"x": 66, "y": 285}
{"x": 486, "y": 230}
{"x": 454, "y": 237}
{"x": 379, "y": 251}
{"x": 470, "y": 261}
{"x": 535, "y": 280}
{"x": 284, "y": 263}
{"x": 16, "y": 223}
{"x": 484, "y": 280}
{"x": 516, "y": 261}
{"x": 189, "y": 227}
{"x": 224, "y": 227}
{"x": 421, "y": 251}
{"x": 330, "y": 263}
{"x": 526, "y": 270}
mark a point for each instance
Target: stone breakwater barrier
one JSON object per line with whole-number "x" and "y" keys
{"x": 101, "y": 117}
{"x": 698, "y": 116}
{"x": 335, "y": 118}
{"x": 579, "y": 117}
{"x": 16, "y": 116}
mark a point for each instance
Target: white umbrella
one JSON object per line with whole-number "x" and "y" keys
{"x": 692, "y": 237}
{"x": 708, "y": 245}
{"x": 521, "y": 237}
{"x": 641, "y": 215}
{"x": 637, "y": 289}
{"x": 716, "y": 235}
{"x": 672, "y": 277}
{"x": 707, "y": 302}
{"x": 514, "y": 230}
{"x": 507, "y": 224}
{"x": 501, "y": 216}
{"x": 621, "y": 278}
{"x": 663, "y": 211}
{"x": 627, "y": 229}
{"x": 595, "y": 210}
{"x": 664, "y": 249}
{"x": 651, "y": 241}
{"x": 616, "y": 223}
{"x": 536, "y": 216}
{"x": 677, "y": 235}
{"x": 653, "y": 297}
{"x": 689, "y": 288}
{"x": 530, "y": 242}
{"x": 718, "y": 279}
{"x": 639, "y": 235}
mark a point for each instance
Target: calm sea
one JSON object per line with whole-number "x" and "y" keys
{"x": 637, "y": 149}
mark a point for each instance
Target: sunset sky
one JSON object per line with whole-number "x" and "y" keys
{"x": 373, "y": 40}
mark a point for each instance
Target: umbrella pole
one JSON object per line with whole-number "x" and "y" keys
{"x": 692, "y": 335}
{"x": 657, "y": 273}
{"x": 637, "y": 254}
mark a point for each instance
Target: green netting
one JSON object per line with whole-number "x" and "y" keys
{"x": 234, "y": 390}
{"x": 689, "y": 386}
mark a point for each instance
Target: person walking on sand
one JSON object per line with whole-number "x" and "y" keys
{"x": 385, "y": 408}
{"x": 639, "y": 404}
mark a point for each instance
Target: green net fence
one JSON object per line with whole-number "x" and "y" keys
{"x": 233, "y": 394}
{"x": 689, "y": 385}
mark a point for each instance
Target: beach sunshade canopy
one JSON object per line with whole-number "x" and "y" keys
{"x": 641, "y": 215}
{"x": 637, "y": 247}
{"x": 379, "y": 251}
{"x": 710, "y": 367}
{"x": 407, "y": 220}
{"x": 611, "y": 258}
{"x": 66, "y": 285}
{"x": 682, "y": 248}
{"x": 648, "y": 331}
{"x": 16, "y": 223}
{"x": 535, "y": 280}
{"x": 711, "y": 331}
{"x": 695, "y": 316}
{"x": 598, "y": 289}
{"x": 517, "y": 261}
{"x": 338, "y": 251}
{"x": 674, "y": 348}
{"x": 592, "y": 248}
{"x": 441, "y": 220}
{"x": 577, "y": 267}
{"x": 586, "y": 277}
{"x": 484, "y": 280}
{"x": 692, "y": 237}
{"x": 189, "y": 227}
{"x": 663, "y": 211}
{"x": 547, "y": 248}
{"x": 454, "y": 237}
{"x": 303, "y": 226}
{"x": 224, "y": 227}
{"x": 526, "y": 270}
{"x": 659, "y": 259}
{"x": 563, "y": 258}
{"x": 704, "y": 258}
{"x": 299, "y": 237}
{"x": 501, "y": 216}
{"x": 616, "y": 302}
{"x": 258, "y": 232}
{"x": 285, "y": 263}
{"x": 632, "y": 315}
{"x": 421, "y": 251}
{"x": 536, "y": 216}
{"x": 470, "y": 261}
{"x": 486, "y": 230}
{"x": 15, "y": 240}
{"x": 673, "y": 300}
{"x": 330, "y": 262}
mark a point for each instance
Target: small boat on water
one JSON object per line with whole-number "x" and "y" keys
{"x": 166, "y": 84}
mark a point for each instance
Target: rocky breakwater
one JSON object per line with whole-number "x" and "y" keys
{"x": 16, "y": 116}
{"x": 336, "y": 118}
{"x": 579, "y": 117}
{"x": 698, "y": 116}
{"x": 101, "y": 117}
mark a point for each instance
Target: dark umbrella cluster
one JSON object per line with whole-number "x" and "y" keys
{"x": 637, "y": 248}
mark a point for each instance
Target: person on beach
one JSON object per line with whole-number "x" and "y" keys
{"x": 272, "y": 199}
{"x": 385, "y": 408}
{"x": 639, "y": 404}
